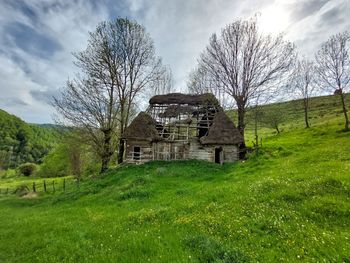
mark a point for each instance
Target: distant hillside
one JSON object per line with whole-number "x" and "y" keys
{"x": 21, "y": 142}
{"x": 323, "y": 109}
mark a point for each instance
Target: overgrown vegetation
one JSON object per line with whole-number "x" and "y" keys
{"x": 289, "y": 203}
{"x": 21, "y": 142}
{"x": 69, "y": 157}
{"x": 42, "y": 150}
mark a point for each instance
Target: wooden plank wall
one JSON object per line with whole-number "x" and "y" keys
{"x": 179, "y": 151}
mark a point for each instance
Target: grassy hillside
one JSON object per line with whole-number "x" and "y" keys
{"x": 323, "y": 110}
{"x": 291, "y": 203}
{"x": 21, "y": 142}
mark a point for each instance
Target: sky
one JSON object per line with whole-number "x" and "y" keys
{"x": 38, "y": 37}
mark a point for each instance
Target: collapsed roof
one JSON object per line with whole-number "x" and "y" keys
{"x": 175, "y": 110}
{"x": 222, "y": 131}
{"x": 201, "y": 113}
{"x": 189, "y": 99}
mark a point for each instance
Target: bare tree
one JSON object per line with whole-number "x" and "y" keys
{"x": 200, "y": 82}
{"x": 75, "y": 149}
{"x": 164, "y": 83}
{"x": 256, "y": 117}
{"x": 302, "y": 84}
{"x": 93, "y": 108}
{"x": 273, "y": 118}
{"x": 333, "y": 67}
{"x": 247, "y": 63}
{"x": 256, "y": 113}
{"x": 118, "y": 64}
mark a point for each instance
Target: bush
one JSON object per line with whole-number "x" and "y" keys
{"x": 8, "y": 173}
{"x": 27, "y": 169}
{"x": 66, "y": 159}
{"x": 56, "y": 163}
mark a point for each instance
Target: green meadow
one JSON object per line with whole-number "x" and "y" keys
{"x": 289, "y": 203}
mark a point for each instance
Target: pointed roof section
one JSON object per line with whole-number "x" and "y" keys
{"x": 222, "y": 131}
{"x": 143, "y": 127}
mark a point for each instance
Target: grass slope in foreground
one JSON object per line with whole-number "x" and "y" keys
{"x": 292, "y": 203}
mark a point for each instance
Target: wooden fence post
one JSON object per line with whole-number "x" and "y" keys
{"x": 64, "y": 184}
{"x": 45, "y": 186}
{"x": 53, "y": 186}
{"x": 34, "y": 188}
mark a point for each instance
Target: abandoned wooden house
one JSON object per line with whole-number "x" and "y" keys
{"x": 178, "y": 127}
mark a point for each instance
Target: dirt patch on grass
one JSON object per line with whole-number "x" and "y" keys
{"x": 30, "y": 195}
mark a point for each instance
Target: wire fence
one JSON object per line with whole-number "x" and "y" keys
{"x": 43, "y": 186}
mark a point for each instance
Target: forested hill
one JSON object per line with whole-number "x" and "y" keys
{"x": 21, "y": 142}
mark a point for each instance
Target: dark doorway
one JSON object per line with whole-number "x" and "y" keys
{"x": 137, "y": 153}
{"x": 218, "y": 153}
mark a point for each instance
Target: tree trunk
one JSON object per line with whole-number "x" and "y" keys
{"x": 278, "y": 130}
{"x": 121, "y": 133}
{"x": 120, "y": 151}
{"x": 345, "y": 111}
{"x": 241, "y": 115}
{"x": 75, "y": 161}
{"x": 106, "y": 155}
{"x": 241, "y": 126}
{"x": 105, "y": 164}
{"x": 306, "y": 113}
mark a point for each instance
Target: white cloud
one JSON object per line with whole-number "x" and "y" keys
{"x": 180, "y": 30}
{"x": 15, "y": 93}
{"x": 311, "y": 31}
{"x": 27, "y": 74}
